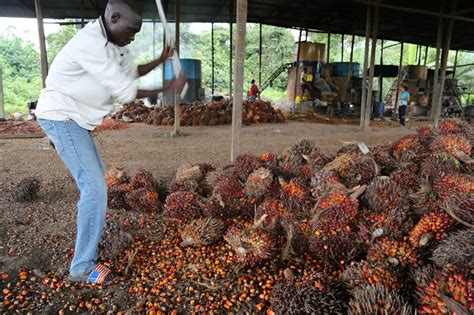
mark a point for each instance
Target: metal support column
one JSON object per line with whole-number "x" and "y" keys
{"x": 426, "y": 56}
{"x": 239, "y": 78}
{"x": 455, "y": 63}
{"x": 381, "y": 73}
{"x": 444, "y": 61}
{"x": 212, "y": 59}
{"x": 435, "y": 87}
{"x": 297, "y": 77}
{"x": 177, "y": 96}
{"x": 342, "y": 48}
{"x": 328, "y": 49}
{"x": 397, "y": 93}
{"x": 351, "y": 58}
{"x": 42, "y": 41}
{"x": 368, "y": 106}
{"x": 368, "y": 22}
{"x": 231, "y": 48}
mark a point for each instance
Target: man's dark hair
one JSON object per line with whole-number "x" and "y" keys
{"x": 252, "y": 82}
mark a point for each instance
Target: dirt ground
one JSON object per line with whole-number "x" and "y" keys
{"x": 39, "y": 235}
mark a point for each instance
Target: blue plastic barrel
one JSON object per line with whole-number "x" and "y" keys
{"x": 192, "y": 70}
{"x": 341, "y": 69}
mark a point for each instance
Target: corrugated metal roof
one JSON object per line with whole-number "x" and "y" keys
{"x": 336, "y": 16}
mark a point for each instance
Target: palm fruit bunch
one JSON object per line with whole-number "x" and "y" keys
{"x": 381, "y": 155}
{"x": 334, "y": 214}
{"x": 116, "y": 176}
{"x": 270, "y": 161}
{"x": 434, "y": 224}
{"x": 406, "y": 148}
{"x": 335, "y": 249}
{"x": 406, "y": 180}
{"x": 348, "y": 148}
{"x": 183, "y": 206}
{"x": 295, "y": 194}
{"x": 451, "y": 144}
{"x": 296, "y": 156}
{"x": 258, "y": 183}
{"x": 361, "y": 171}
{"x": 201, "y": 232}
{"x": 452, "y": 184}
{"x": 324, "y": 182}
{"x": 378, "y": 300}
{"x": 438, "y": 165}
{"x": 454, "y": 126}
{"x": 117, "y": 196}
{"x": 363, "y": 273}
{"x": 144, "y": 200}
{"x": 422, "y": 275}
{"x": 190, "y": 178}
{"x": 448, "y": 293}
{"x": 294, "y": 298}
{"x": 456, "y": 251}
{"x": 114, "y": 240}
{"x": 425, "y": 135}
{"x": 341, "y": 164}
{"x": 27, "y": 189}
{"x": 252, "y": 244}
{"x": 276, "y": 214}
{"x": 316, "y": 160}
{"x": 397, "y": 253}
{"x": 244, "y": 165}
{"x": 461, "y": 208}
{"x": 228, "y": 198}
{"x": 144, "y": 179}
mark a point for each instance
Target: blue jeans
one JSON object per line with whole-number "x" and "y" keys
{"x": 77, "y": 149}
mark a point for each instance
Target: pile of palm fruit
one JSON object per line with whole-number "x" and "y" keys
{"x": 200, "y": 114}
{"x": 386, "y": 232}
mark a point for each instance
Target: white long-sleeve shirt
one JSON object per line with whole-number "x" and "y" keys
{"x": 85, "y": 77}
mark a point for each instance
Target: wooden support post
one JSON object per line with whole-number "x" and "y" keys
{"x": 239, "y": 78}
{"x": 163, "y": 73}
{"x": 212, "y": 59}
{"x": 351, "y": 58}
{"x": 381, "y": 73}
{"x": 231, "y": 48}
{"x": 2, "y": 99}
{"x": 297, "y": 66}
{"x": 342, "y": 48}
{"x": 368, "y": 23}
{"x": 82, "y": 14}
{"x": 435, "y": 87}
{"x": 397, "y": 92}
{"x": 328, "y": 49}
{"x": 177, "y": 96}
{"x": 368, "y": 106}
{"x": 455, "y": 63}
{"x": 42, "y": 41}
{"x": 444, "y": 62}
{"x": 260, "y": 47}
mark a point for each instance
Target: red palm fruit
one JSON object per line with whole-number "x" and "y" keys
{"x": 201, "y": 232}
{"x": 144, "y": 200}
{"x": 377, "y": 300}
{"x": 426, "y": 134}
{"x": 334, "y": 213}
{"x": 117, "y": 196}
{"x": 406, "y": 180}
{"x": 295, "y": 195}
{"x": 452, "y": 184}
{"x": 258, "y": 183}
{"x": 361, "y": 171}
{"x": 381, "y": 155}
{"x": 184, "y": 206}
{"x": 409, "y": 143}
{"x": 270, "y": 160}
{"x": 341, "y": 164}
{"x": 451, "y": 145}
{"x": 323, "y": 182}
{"x": 446, "y": 294}
{"x": 315, "y": 161}
{"x": 434, "y": 224}
{"x": 384, "y": 196}
{"x": 454, "y": 126}
{"x": 276, "y": 214}
{"x": 363, "y": 273}
{"x": 244, "y": 165}
{"x": 438, "y": 165}
{"x": 144, "y": 179}
{"x": 394, "y": 252}
{"x": 335, "y": 248}
{"x": 116, "y": 176}
{"x": 251, "y": 244}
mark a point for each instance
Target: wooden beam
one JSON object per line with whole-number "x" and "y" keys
{"x": 342, "y": 48}
{"x": 368, "y": 106}
{"x": 351, "y": 58}
{"x": 435, "y": 88}
{"x": 381, "y": 74}
{"x": 328, "y": 48}
{"x": 260, "y": 48}
{"x": 444, "y": 62}
{"x": 42, "y": 41}
{"x": 231, "y": 46}
{"x": 2, "y": 99}
{"x": 455, "y": 62}
{"x": 177, "y": 96}
{"x": 426, "y": 56}
{"x": 368, "y": 23}
{"x": 397, "y": 92}
{"x": 239, "y": 78}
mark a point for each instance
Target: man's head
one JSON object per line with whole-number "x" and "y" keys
{"x": 404, "y": 88}
{"x": 123, "y": 21}
{"x": 252, "y": 82}
{"x": 305, "y": 69}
